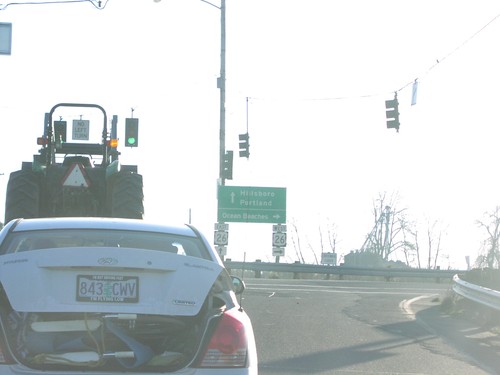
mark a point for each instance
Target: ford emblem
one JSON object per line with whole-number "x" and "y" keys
{"x": 107, "y": 261}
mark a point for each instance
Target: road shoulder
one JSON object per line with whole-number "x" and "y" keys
{"x": 469, "y": 327}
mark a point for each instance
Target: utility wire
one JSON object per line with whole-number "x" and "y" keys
{"x": 438, "y": 61}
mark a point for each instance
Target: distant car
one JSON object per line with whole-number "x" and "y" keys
{"x": 108, "y": 296}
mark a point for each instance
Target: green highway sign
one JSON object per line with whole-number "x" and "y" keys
{"x": 249, "y": 204}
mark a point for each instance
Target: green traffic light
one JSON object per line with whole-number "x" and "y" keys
{"x": 131, "y": 132}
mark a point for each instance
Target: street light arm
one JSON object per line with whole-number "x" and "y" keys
{"x": 205, "y": 1}
{"x": 209, "y": 3}
{"x": 97, "y": 4}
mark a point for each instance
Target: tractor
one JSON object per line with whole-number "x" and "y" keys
{"x": 76, "y": 177}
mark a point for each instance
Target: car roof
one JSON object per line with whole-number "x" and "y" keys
{"x": 100, "y": 223}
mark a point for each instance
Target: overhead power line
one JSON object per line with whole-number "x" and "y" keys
{"x": 453, "y": 51}
{"x": 410, "y": 83}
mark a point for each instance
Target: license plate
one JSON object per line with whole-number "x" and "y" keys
{"x": 107, "y": 288}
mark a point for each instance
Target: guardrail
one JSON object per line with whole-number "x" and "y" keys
{"x": 476, "y": 293}
{"x": 298, "y": 268}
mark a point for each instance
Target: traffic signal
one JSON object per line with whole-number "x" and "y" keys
{"x": 227, "y": 167}
{"x": 244, "y": 146}
{"x": 60, "y": 131}
{"x": 131, "y": 132}
{"x": 392, "y": 113}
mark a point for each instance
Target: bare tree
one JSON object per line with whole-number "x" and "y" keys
{"x": 417, "y": 248}
{"x": 328, "y": 229}
{"x": 492, "y": 227}
{"x": 296, "y": 241}
{"x": 311, "y": 247}
{"x": 395, "y": 235}
{"x": 331, "y": 231}
{"x": 391, "y": 226}
{"x": 330, "y": 241}
{"x": 434, "y": 233}
{"x": 327, "y": 235}
{"x": 410, "y": 247}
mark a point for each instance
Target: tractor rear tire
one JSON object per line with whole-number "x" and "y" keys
{"x": 52, "y": 205}
{"x": 23, "y": 195}
{"x": 127, "y": 196}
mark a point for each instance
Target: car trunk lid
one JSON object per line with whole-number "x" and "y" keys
{"x": 121, "y": 280}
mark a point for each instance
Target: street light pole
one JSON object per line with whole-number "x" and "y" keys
{"x": 221, "y": 83}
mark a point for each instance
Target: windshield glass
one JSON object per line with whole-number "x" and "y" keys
{"x": 70, "y": 238}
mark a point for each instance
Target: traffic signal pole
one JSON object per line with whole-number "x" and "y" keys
{"x": 221, "y": 83}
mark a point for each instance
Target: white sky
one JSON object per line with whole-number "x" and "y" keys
{"x": 317, "y": 73}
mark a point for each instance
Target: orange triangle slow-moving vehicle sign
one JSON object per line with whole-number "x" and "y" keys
{"x": 76, "y": 177}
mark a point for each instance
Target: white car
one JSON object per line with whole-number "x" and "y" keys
{"x": 108, "y": 296}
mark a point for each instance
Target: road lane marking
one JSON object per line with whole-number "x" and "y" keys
{"x": 275, "y": 286}
{"x": 274, "y": 290}
{"x": 405, "y": 305}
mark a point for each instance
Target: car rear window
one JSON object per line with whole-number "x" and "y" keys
{"x": 70, "y": 238}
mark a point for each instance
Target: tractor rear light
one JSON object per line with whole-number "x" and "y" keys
{"x": 113, "y": 143}
{"x": 228, "y": 345}
{"x": 42, "y": 141}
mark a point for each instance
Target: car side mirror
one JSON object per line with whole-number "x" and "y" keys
{"x": 238, "y": 284}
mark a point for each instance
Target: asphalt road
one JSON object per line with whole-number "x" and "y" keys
{"x": 361, "y": 327}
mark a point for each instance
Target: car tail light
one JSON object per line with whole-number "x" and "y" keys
{"x": 228, "y": 344}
